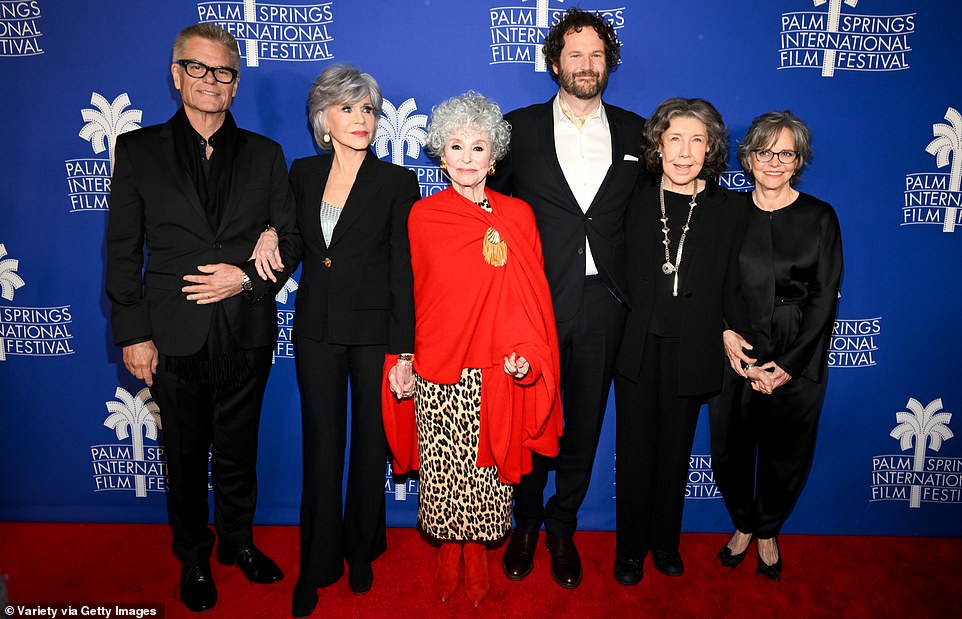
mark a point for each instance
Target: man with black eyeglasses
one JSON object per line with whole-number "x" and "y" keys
{"x": 198, "y": 323}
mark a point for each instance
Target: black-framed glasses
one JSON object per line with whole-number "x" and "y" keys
{"x": 764, "y": 155}
{"x": 197, "y": 70}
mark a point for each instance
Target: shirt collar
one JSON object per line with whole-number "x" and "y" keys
{"x": 559, "y": 115}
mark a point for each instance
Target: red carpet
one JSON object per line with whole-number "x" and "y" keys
{"x": 823, "y": 577}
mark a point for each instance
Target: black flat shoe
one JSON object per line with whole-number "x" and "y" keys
{"x": 197, "y": 590}
{"x": 629, "y": 572}
{"x": 304, "y": 600}
{"x": 772, "y": 572}
{"x": 360, "y": 577}
{"x": 729, "y": 559}
{"x": 257, "y": 566}
{"x": 668, "y": 562}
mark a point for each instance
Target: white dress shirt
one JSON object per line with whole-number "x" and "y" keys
{"x": 585, "y": 156}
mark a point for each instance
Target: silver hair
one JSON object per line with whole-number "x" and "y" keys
{"x": 211, "y": 32}
{"x": 472, "y": 111}
{"x": 337, "y": 84}
{"x": 764, "y": 132}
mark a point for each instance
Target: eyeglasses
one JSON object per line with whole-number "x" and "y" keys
{"x": 764, "y": 155}
{"x": 197, "y": 70}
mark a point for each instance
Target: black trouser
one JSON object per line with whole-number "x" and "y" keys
{"x": 762, "y": 448}
{"x": 223, "y": 419}
{"x": 588, "y": 344}
{"x": 332, "y": 531}
{"x": 654, "y": 433}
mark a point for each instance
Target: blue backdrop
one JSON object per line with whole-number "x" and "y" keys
{"x": 876, "y": 80}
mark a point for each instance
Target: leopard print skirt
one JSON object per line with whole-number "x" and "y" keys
{"x": 457, "y": 499}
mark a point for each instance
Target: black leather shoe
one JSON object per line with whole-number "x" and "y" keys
{"x": 668, "y": 562}
{"x": 519, "y": 555}
{"x": 305, "y": 599}
{"x": 257, "y": 566}
{"x": 360, "y": 578}
{"x": 565, "y": 562}
{"x": 197, "y": 590}
{"x": 629, "y": 572}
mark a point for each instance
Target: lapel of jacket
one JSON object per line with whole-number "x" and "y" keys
{"x": 548, "y": 146}
{"x": 179, "y": 174}
{"x": 617, "y": 151}
{"x": 365, "y": 186}
{"x": 243, "y": 165}
{"x": 703, "y": 217}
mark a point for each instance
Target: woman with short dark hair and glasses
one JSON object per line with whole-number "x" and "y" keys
{"x": 763, "y": 422}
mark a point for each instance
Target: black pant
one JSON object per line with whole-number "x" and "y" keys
{"x": 654, "y": 434}
{"x": 332, "y": 531}
{"x": 223, "y": 419}
{"x": 762, "y": 448}
{"x": 588, "y": 346}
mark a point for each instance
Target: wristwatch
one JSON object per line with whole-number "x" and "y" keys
{"x": 246, "y": 284}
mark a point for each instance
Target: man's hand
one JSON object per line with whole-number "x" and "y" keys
{"x": 141, "y": 361}
{"x": 219, "y": 282}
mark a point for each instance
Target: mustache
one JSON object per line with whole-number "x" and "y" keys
{"x": 587, "y": 73}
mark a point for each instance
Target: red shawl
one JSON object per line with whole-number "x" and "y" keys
{"x": 470, "y": 314}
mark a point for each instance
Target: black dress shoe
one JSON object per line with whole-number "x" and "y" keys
{"x": 197, "y": 590}
{"x": 360, "y": 578}
{"x": 730, "y": 559}
{"x": 772, "y": 572}
{"x": 257, "y": 566}
{"x": 668, "y": 562}
{"x": 629, "y": 572}
{"x": 519, "y": 555}
{"x": 305, "y": 599}
{"x": 565, "y": 562}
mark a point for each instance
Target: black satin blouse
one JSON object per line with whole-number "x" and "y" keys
{"x": 790, "y": 267}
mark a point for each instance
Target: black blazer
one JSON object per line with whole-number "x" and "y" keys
{"x": 531, "y": 172}
{"x": 152, "y": 199}
{"x": 358, "y": 291}
{"x": 708, "y": 279}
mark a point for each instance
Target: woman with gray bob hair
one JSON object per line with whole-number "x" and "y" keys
{"x": 765, "y": 130}
{"x": 472, "y": 111}
{"x": 339, "y": 84}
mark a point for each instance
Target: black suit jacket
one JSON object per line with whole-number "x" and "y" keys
{"x": 708, "y": 279}
{"x": 153, "y": 201}
{"x": 360, "y": 288}
{"x": 531, "y": 171}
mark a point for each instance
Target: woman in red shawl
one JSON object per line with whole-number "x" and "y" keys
{"x": 485, "y": 349}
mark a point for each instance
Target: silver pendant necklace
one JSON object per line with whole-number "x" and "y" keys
{"x": 668, "y": 268}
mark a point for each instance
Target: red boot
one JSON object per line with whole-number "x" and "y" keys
{"x": 476, "y": 582}
{"x": 449, "y": 569}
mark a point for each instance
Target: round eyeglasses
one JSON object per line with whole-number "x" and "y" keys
{"x": 764, "y": 155}
{"x": 197, "y": 70}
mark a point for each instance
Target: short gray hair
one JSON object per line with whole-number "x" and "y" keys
{"x": 472, "y": 111}
{"x": 211, "y": 32}
{"x": 764, "y": 132}
{"x": 717, "y": 158}
{"x": 339, "y": 83}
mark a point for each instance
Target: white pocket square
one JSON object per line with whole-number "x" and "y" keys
{"x": 631, "y": 158}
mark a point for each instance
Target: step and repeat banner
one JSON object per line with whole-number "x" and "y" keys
{"x": 878, "y": 82}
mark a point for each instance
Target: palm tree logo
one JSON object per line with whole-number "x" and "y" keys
{"x": 834, "y": 16}
{"x": 397, "y": 127}
{"x": 107, "y": 122}
{"x": 134, "y": 416}
{"x": 929, "y": 427}
{"x": 282, "y": 295}
{"x": 948, "y": 140}
{"x": 9, "y": 280}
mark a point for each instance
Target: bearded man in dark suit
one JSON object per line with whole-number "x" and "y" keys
{"x": 575, "y": 160}
{"x": 198, "y": 323}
